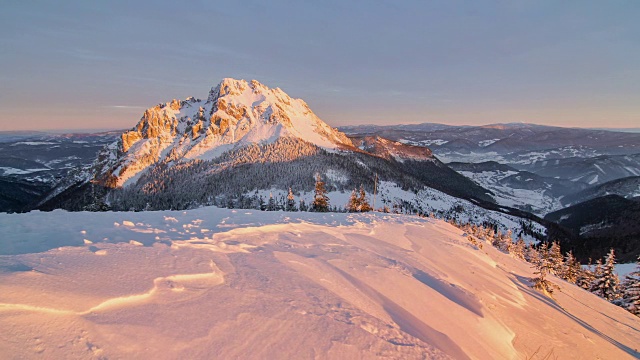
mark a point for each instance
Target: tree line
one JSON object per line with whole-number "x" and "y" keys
{"x": 548, "y": 260}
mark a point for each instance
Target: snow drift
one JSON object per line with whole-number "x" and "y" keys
{"x": 217, "y": 283}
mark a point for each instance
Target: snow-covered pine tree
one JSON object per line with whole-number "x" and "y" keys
{"x": 518, "y": 249}
{"x": 596, "y": 271}
{"x": 571, "y": 270}
{"x": 281, "y": 202}
{"x": 320, "y": 199}
{"x": 555, "y": 256}
{"x": 496, "y": 240}
{"x": 362, "y": 200}
{"x": 544, "y": 268}
{"x": 480, "y": 232}
{"x": 303, "y": 205}
{"x": 631, "y": 291}
{"x": 291, "y": 202}
{"x": 352, "y": 205}
{"x": 606, "y": 283}
{"x": 271, "y": 205}
{"x": 507, "y": 241}
{"x": 585, "y": 278}
{"x": 502, "y": 241}
{"x": 531, "y": 254}
{"x": 490, "y": 234}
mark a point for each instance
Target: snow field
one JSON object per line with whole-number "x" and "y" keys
{"x": 282, "y": 285}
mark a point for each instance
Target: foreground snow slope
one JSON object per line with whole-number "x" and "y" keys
{"x": 218, "y": 283}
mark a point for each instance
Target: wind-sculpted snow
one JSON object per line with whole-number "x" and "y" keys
{"x": 218, "y": 283}
{"x": 174, "y": 283}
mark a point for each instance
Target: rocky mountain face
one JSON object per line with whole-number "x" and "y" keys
{"x": 235, "y": 114}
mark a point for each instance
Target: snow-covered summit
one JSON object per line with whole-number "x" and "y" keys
{"x": 236, "y": 113}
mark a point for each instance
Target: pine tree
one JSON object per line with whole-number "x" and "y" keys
{"x": 303, "y": 205}
{"x": 362, "y": 200}
{"x": 557, "y": 261}
{"x": 571, "y": 270}
{"x": 532, "y": 254}
{"x": 544, "y": 268}
{"x": 320, "y": 200}
{"x": 631, "y": 291}
{"x": 490, "y": 234}
{"x": 291, "y": 202}
{"x": 507, "y": 241}
{"x": 271, "y": 205}
{"x": 503, "y": 241}
{"x": 496, "y": 240}
{"x": 518, "y": 249}
{"x": 585, "y": 277}
{"x": 606, "y": 283}
{"x": 352, "y": 205}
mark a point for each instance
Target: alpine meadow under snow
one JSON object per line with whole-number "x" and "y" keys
{"x": 220, "y": 283}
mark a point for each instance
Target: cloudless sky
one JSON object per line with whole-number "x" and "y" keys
{"x": 99, "y": 64}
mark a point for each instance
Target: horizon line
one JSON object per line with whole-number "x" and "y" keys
{"x": 102, "y": 129}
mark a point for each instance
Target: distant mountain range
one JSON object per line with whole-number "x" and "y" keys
{"x": 545, "y": 163}
{"x": 31, "y": 163}
{"x": 631, "y": 130}
{"x": 628, "y": 187}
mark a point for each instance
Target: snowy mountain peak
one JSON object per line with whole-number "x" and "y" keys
{"x": 228, "y": 86}
{"x": 236, "y": 113}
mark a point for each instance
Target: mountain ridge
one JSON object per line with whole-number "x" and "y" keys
{"x": 235, "y": 113}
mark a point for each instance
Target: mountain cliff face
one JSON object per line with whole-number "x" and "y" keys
{"x": 236, "y": 113}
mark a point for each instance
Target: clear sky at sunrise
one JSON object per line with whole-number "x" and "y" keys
{"x": 99, "y": 64}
